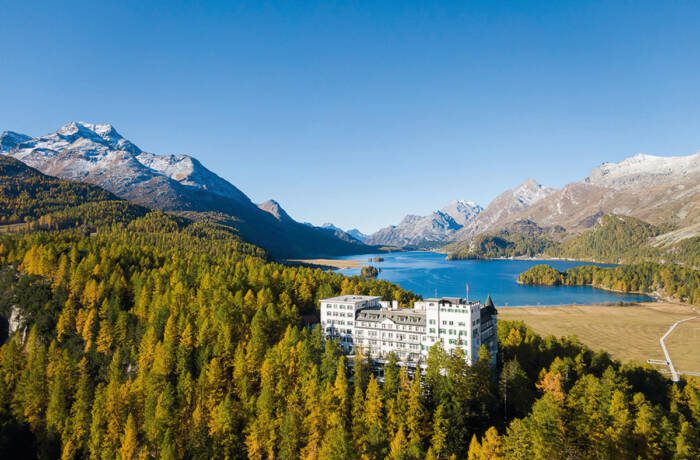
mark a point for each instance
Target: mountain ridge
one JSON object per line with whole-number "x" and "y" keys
{"x": 427, "y": 231}
{"x": 96, "y": 153}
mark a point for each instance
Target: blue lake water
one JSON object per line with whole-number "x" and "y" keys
{"x": 428, "y": 273}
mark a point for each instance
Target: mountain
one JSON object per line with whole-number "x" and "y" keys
{"x": 32, "y": 200}
{"x": 10, "y": 140}
{"x": 522, "y": 238}
{"x": 98, "y": 154}
{"x": 358, "y": 235}
{"x": 272, "y": 207}
{"x": 644, "y": 170}
{"x": 427, "y": 231}
{"x": 644, "y": 206}
{"x": 462, "y": 212}
{"x": 504, "y": 209}
{"x": 340, "y": 233}
{"x": 657, "y": 190}
{"x": 651, "y": 188}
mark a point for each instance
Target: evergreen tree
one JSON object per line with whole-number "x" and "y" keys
{"x": 375, "y": 436}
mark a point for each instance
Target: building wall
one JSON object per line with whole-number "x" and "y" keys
{"x": 379, "y": 338}
{"x": 338, "y": 317}
{"x": 454, "y": 324}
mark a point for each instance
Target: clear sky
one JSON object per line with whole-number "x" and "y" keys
{"x": 361, "y": 112}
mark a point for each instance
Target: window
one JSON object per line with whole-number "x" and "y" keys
{"x": 432, "y": 330}
{"x": 432, "y": 321}
{"x": 442, "y": 331}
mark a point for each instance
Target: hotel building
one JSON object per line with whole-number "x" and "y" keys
{"x": 381, "y": 327}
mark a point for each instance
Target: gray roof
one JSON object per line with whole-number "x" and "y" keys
{"x": 351, "y": 298}
{"x": 451, "y": 300}
{"x": 405, "y": 317}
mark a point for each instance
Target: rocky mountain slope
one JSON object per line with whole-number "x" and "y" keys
{"x": 651, "y": 188}
{"x": 504, "y": 208}
{"x": 427, "y": 231}
{"x": 98, "y": 154}
{"x": 358, "y": 235}
{"x": 604, "y": 217}
{"x": 654, "y": 189}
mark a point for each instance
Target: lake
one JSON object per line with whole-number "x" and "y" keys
{"x": 430, "y": 273}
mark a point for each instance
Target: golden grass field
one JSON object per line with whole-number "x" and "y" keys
{"x": 629, "y": 333}
{"x": 329, "y": 263}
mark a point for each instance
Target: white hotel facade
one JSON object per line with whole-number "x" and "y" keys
{"x": 381, "y": 327}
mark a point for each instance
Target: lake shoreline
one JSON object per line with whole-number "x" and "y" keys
{"x": 327, "y": 264}
{"x": 429, "y": 274}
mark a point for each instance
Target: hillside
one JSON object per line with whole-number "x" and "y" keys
{"x": 34, "y": 200}
{"x": 657, "y": 190}
{"x": 158, "y": 336}
{"x": 612, "y": 239}
{"x": 427, "y": 231}
{"x": 504, "y": 209}
{"x": 522, "y": 238}
{"x": 668, "y": 280}
{"x": 642, "y": 208}
{"x": 98, "y": 154}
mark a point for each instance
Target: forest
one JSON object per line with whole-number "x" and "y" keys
{"x": 614, "y": 239}
{"x": 154, "y": 341}
{"x": 135, "y": 334}
{"x": 668, "y": 280}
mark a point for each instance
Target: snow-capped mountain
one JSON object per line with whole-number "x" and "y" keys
{"x": 357, "y": 234}
{"x": 9, "y": 140}
{"x": 642, "y": 169}
{"x": 652, "y": 188}
{"x": 502, "y": 209}
{"x": 98, "y": 154}
{"x": 462, "y": 211}
{"x": 427, "y": 231}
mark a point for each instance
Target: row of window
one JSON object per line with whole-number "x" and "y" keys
{"x": 399, "y": 327}
{"x": 337, "y": 322}
{"x": 444, "y": 331}
{"x": 395, "y": 345}
{"x": 341, "y": 313}
{"x": 339, "y": 306}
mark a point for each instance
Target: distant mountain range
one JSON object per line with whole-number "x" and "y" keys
{"x": 639, "y": 191}
{"x": 98, "y": 154}
{"x": 427, "y": 231}
{"x": 657, "y": 190}
{"x": 653, "y": 189}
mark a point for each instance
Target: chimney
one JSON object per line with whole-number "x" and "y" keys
{"x": 394, "y": 304}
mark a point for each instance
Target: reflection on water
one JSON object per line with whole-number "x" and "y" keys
{"x": 429, "y": 273}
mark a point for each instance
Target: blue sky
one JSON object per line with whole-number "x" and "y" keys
{"x": 360, "y": 112}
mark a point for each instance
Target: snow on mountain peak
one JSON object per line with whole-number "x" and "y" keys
{"x": 531, "y": 191}
{"x": 462, "y": 211}
{"x": 80, "y": 149}
{"x": 10, "y": 140}
{"x": 644, "y": 168}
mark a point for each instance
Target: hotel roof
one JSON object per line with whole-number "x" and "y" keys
{"x": 351, "y": 298}
{"x": 400, "y": 316}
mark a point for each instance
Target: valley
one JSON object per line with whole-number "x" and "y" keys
{"x": 630, "y": 333}
{"x": 350, "y": 231}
